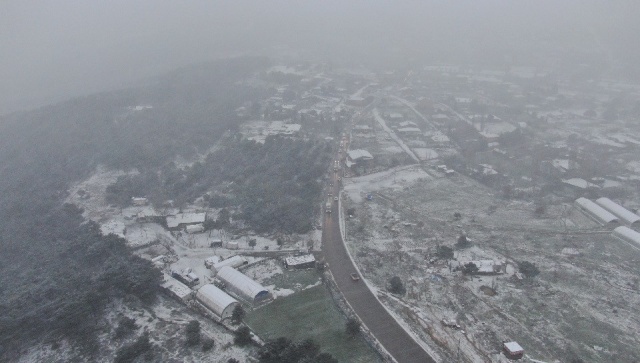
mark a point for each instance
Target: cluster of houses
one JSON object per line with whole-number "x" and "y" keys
{"x": 231, "y": 285}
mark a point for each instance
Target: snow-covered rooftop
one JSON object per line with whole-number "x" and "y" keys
{"x": 619, "y": 211}
{"x": 185, "y": 218}
{"x": 409, "y": 130}
{"x": 241, "y": 282}
{"x": 299, "y": 260}
{"x": 359, "y": 154}
{"x": 628, "y": 234}
{"x": 513, "y": 347}
{"x": 580, "y": 183}
{"x": 215, "y": 299}
{"x": 596, "y": 211}
{"x": 176, "y": 287}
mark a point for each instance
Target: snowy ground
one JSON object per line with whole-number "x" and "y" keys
{"x": 576, "y": 303}
{"x": 165, "y": 322}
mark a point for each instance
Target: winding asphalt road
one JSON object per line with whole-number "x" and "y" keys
{"x": 370, "y": 311}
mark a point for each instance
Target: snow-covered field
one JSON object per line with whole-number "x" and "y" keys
{"x": 580, "y": 300}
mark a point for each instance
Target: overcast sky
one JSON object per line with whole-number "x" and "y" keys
{"x": 53, "y": 50}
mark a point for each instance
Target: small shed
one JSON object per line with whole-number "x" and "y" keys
{"x": 513, "y": 350}
{"x": 216, "y": 300}
{"x": 300, "y": 262}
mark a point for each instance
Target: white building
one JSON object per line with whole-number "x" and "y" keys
{"x": 176, "y": 288}
{"x": 300, "y": 262}
{"x": 396, "y": 116}
{"x": 139, "y": 200}
{"x": 410, "y": 131}
{"x": 216, "y": 300}
{"x": 185, "y": 219}
{"x": 627, "y": 234}
{"x": 242, "y": 285}
{"x": 619, "y": 211}
{"x": 597, "y": 212}
{"x": 195, "y": 228}
{"x": 359, "y": 154}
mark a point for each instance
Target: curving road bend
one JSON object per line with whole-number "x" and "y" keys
{"x": 370, "y": 311}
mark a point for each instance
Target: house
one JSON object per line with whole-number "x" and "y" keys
{"x": 395, "y": 116}
{"x": 358, "y": 157}
{"x": 300, "y": 262}
{"x": 195, "y": 228}
{"x": 139, "y": 201}
{"x": 216, "y": 300}
{"x": 596, "y": 212}
{"x": 176, "y": 289}
{"x": 619, "y": 211}
{"x": 243, "y": 286}
{"x": 439, "y": 138}
{"x": 410, "y": 131}
{"x": 558, "y": 167}
{"x": 181, "y": 220}
{"x": 513, "y": 350}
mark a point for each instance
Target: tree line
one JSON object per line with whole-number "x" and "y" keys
{"x": 273, "y": 187}
{"x": 57, "y": 271}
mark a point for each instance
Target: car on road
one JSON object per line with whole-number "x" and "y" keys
{"x": 335, "y": 199}
{"x": 355, "y": 277}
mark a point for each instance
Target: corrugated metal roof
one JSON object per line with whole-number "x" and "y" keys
{"x": 245, "y": 285}
{"x": 214, "y": 298}
{"x": 596, "y": 211}
{"x": 620, "y": 211}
